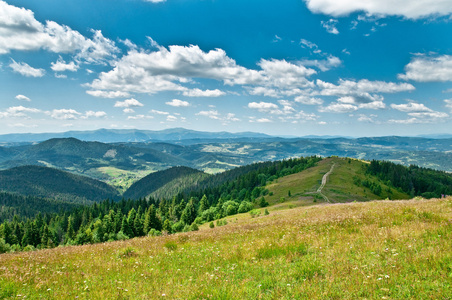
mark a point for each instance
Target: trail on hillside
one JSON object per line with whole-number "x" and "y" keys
{"x": 324, "y": 179}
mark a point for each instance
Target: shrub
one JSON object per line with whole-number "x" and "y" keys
{"x": 211, "y": 225}
{"x": 245, "y": 206}
{"x": 170, "y": 245}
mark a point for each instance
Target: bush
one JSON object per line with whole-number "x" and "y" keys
{"x": 230, "y": 207}
{"x": 263, "y": 202}
{"x": 154, "y": 232}
{"x": 194, "y": 227}
{"x": 4, "y": 247}
{"x": 245, "y": 206}
{"x": 211, "y": 225}
{"x": 255, "y": 213}
{"x": 171, "y": 246}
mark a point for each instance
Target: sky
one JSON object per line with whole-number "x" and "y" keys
{"x": 288, "y": 68}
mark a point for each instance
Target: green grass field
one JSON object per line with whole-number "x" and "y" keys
{"x": 369, "y": 250}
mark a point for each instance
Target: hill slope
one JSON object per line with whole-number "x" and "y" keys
{"x": 373, "y": 250}
{"x": 52, "y": 183}
{"x": 157, "y": 180}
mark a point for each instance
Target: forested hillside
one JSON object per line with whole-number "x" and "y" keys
{"x": 12, "y": 205}
{"x": 55, "y": 184}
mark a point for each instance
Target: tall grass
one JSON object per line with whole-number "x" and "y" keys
{"x": 373, "y": 250}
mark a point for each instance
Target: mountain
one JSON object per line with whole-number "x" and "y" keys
{"x": 127, "y": 135}
{"x": 55, "y": 184}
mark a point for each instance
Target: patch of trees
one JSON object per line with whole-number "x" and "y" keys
{"x": 413, "y": 180}
{"x": 109, "y": 220}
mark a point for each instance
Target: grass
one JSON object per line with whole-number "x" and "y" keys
{"x": 372, "y": 250}
{"x": 121, "y": 179}
{"x": 340, "y": 185}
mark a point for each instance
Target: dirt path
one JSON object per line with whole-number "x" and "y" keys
{"x": 324, "y": 179}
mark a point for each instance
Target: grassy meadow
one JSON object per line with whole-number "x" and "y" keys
{"x": 369, "y": 250}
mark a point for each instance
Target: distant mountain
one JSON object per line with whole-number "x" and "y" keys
{"x": 127, "y": 135}
{"x": 54, "y": 184}
{"x": 79, "y": 156}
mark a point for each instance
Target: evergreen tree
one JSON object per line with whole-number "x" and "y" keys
{"x": 189, "y": 213}
{"x": 203, "y": 204}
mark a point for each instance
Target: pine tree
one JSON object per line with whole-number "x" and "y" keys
{"x": 189, "y": 213}
{"x": 203, "y": 204}
{"x": 125, "y": 228}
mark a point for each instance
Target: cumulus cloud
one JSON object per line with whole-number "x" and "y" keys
{"x": 429, "y": 69}
{"x": 26, "y": 70}
{"x": 64, "y": 114}
{"x": 330, "y": 26}
{"x": 95, "y": 114}
{"x": 201, "y": 93}
{"x": 128, "y": 103}
{"x": 418, "y": 113}
{"x": 308, "y": 100}
{"x": 158, "y": 112}
{"x": 411, "y": 107}
{"x": 264, "y": 107}
{"x": 60, "y": 66}
{"x": 108, "y": 94}
{"x": 22, "y": 98}
{"x": 177, "y": 103}
{"x": 128, "y": 111}
{"x": 18, "y": 112}
{"x": 21, "y": 31}
{"x": 339, "y": 108}
{"x": 213, "y": 114}
{"x": 406, "y": 8}
{"x": 169, "y": 69}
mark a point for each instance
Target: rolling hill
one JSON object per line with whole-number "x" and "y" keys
{"x": 54, "y": 184}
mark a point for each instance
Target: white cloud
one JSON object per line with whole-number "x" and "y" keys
{"x": 406, "y": 8}
{"x": 95, "y": 114}
{"x": 429, "y": 69}
{"x": 324, "y": 64}
{"x": 339, "y": 108}
{"x": 64, "y": 114}
{"x": 367, "y": 118}
{"x": 26, "y": 70}
{"x": 155, "y": 1}
{"x": 18, "y": 112}
{"x": 21, "y": 31}
{"x": 171, "y": 118}
{"x": 330, "y": 26}
{"x": 128, "y": 103}
{"x": 60, "y": 66}
{"x": 128, "y": 111}
{"x": 449, "y": 104}
{"x": 305, "y": 43}
{"x": 22, "y": 98}
{"x": 63, "y": 76}
{"x": 264, "y": 91}
{"x": 201, "y": 93}
{"x": 264, "y": 120}
{"x": 108, "y": 94}
{"x": 308, "y": 100}
{"x": 213, "y": 114}
{"x": 177, "y": 103}
{"x": 158, "y": 112}
{"x": 411, "y": 107}
{"x": 418, "y": 113}
{"x": 139, "y": 117}
{"x": 169, "y": 69}
{"x": 264, "y": 107}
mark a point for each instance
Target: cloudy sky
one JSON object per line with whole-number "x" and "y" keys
{"x": 293, "y": 67}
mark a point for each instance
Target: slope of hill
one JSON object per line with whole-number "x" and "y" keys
{"x": 154, "y": 181}
{"x": 373, "y": 250}
{"x": 56, "y": 184}
{"x": 12, "y": 205}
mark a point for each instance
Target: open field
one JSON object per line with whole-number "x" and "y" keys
{"x": 373, "y": 250}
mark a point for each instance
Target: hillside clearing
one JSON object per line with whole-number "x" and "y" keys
{"x": 392, "y": 249}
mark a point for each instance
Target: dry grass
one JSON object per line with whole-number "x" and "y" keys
{"x": 373, "y": 250}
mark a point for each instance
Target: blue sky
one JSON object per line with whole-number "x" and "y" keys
{"x": 324, "y": 67}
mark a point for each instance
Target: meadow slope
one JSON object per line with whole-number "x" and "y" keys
{"x": 372, "y": 250}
